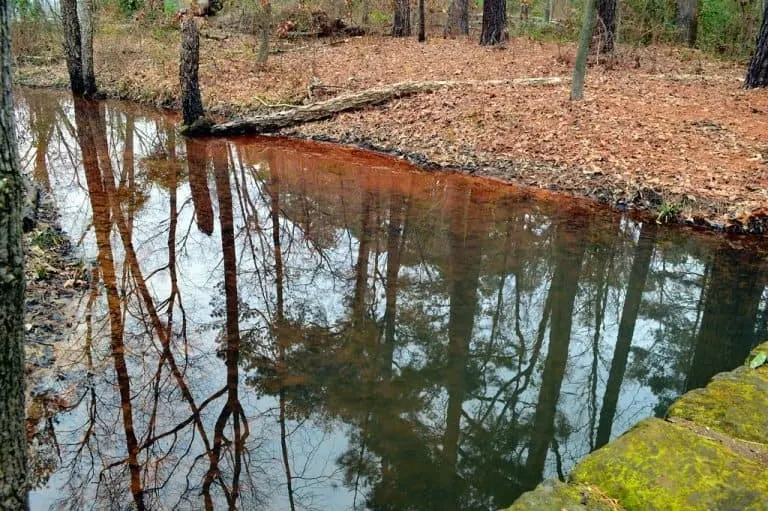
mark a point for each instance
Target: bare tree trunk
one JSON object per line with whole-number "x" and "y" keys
{"x": 13, "y": 445}
{"x": 422, "y": 23}
{"x": 606, "y": 25}
{"x": 266, "y": 19}
{"x": 86, "y": 25}
{"x": 580, "y": 68}
{"x": 757, "y": 74}
{"x": 494, "y": 22}
{"x": 688, "y": 21}
{"x": 402, "y": 22}
{"x": 458, "y": 18}
{"x": 191, "y": 102}
{"x": 73, "y": 45}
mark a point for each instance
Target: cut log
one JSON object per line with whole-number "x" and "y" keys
{"x": 354, "y": 101}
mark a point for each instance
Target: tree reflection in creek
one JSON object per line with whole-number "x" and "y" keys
{"x": 282, "y": 325}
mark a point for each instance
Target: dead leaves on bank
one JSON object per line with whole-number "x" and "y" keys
{"x": 681, "y": 125}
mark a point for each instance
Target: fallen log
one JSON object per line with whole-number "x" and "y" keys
{"x": 276, "y": 121}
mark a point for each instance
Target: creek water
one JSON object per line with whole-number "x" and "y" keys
{"x": 274, "y": 324}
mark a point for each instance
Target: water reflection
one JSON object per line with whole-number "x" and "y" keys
{"x": 278, "y": 325}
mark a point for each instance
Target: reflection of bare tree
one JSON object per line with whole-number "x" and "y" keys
{"x": 569, "y": 250}
{"x": 42, "y": 123}
{"x": 464, "y": 274}
{"x": 435, "y": 328}
{"x": 637, "y": 277}
{"x": 731, "y": 304}
{"x": 232, "y": 407}
{"x": 86, "y": 115}
{"x": 197, "y": 162}
{"x": 280, "y": 327}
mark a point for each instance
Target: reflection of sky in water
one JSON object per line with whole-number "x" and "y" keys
{"x": 318, "y": 289}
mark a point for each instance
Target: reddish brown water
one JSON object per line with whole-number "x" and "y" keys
{"x": 278, "y": 325}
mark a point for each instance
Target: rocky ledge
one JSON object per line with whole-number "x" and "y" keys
{"x": 710, "y": 453}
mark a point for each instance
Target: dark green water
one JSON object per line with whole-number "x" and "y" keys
{"x": 278, "y": 325}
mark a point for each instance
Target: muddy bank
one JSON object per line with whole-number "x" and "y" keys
{"x": 643, "y": 202}
{"x": 56, "y": 280}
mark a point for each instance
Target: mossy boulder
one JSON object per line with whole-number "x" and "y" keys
{"x": 734, "y": 403}
{"x": 557, "y": 496}
{"x": 659, "y": 465}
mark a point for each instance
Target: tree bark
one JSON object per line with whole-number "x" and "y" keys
{"x": 73, "y": 45}
{"x": 191, "y": 102}
{"x": 757, "y": 74}
{"x": 580, "y": 67}
{"x": 13, "y": 445}
{"x": 422, "y": 23}
{"x": 86, "y": 25}
{"x": 458, "y": 18}
{"x": 606, "y": 25}
{"x": 266, "y": 19}
{"x": 402, "y": 22}
{"x": 688, "y": 21}
{"x": 494, "y": 22}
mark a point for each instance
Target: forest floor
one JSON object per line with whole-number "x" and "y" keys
{"x": 668, "y": 130}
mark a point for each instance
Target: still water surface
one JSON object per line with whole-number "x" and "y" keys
{"x": 280, "y": 325}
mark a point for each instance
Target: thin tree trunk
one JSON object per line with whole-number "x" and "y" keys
{"x": 191, "y": 102}
{"x": 580, "y": 68}
{"x": 266, "y": 20}
{"x": 86, "y": 26}
{"x": 13, "y": 446}
{"x": 757, "y": 74}
{"x": 402, "y": 22}
{"x": 688, "y": 21}
{"x": 73, "y": 45}
{"x": 606, "y": 25}
{"x": 494, "y": 22}
{"x": 422, "y": 23}
{"x": 637, "y": 277}
{"x": 458, "y": 18}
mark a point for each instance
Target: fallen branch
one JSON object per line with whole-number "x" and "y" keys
{"x": 355, "y": 101}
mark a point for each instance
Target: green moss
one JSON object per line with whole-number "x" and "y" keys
{"x": 658, "y": 465}
{"x": 734, "y": 403}
{"x": 557, "y": 496}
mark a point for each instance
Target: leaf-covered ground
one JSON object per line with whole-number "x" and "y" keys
{"x": 668, "y": 128}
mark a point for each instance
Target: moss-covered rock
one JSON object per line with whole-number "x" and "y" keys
{"x": 557, "y": 496}
{"x": 734, "y": 403}
{"x": 659, "y": 465}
